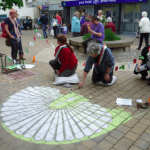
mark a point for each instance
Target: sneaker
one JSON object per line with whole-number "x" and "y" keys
{"x": 15, "y": 62}
{"x": 138, "y": 49}
{"x": 143, "y": 78}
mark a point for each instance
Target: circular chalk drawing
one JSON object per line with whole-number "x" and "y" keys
{"x": 42, "y": 115}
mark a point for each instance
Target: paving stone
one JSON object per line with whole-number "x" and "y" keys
{"x": 89, "y": 144}
{"x": 134, "y": 148}
{"x": 100, "y": 138}
{"x": 145, "y": 137}
{"x": 77, "y": 143}
{"x": 147, "y": 131}
{"x": 1, "y": 143}
{"x": 57, "y": 148}
{"x": 80, "y": 146}
{"x": 116, "y": 134}
{"x": 145, "y": 121}
{"x": 6, "y": 147}
{"x": 131, "y": 123}
{"x": 123, "y": 144}
{"x": 139, "y": 128}
{"x": 111, "y": 139}
{"x": 141, "y": 144}
{"x": 45, "y": 147}
{"x": 96, "y": 148}
{"x": 122, "y": 128}
{"x": 132, "y": 136}
{"x": 67, "y": 146}
{"x": 105, "y": 145}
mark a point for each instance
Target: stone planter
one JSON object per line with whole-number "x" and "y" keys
{"x": 120, "y": 45}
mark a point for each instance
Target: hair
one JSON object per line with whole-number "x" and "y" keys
{"x": 109, "y": 19}
{"x": 26, "y": 17}
{"x": 144, "y": 14}
{"x": 43, "y": 12}
{"x": 76, "y": 12}
{"x": 100, "y": 11}
{"x": 94, "y": 17}
{"x": 86, "y": 19}
{"x": 62, "y": 38}
{"x": 12, "y": 11}
{"x": 54, "y": 17}
{"x": 93, "y": 48}
{"x": 83, "y": 14}
{"x": 64, "y": 24}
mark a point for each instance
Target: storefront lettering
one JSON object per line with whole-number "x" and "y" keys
{"x": 95, "y": 1}
{"x": 108, "y": 1}
{"x": 88, "y": 2}
{"x": 82, "y": 2}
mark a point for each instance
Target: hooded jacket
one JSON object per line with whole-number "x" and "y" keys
{"x": 144, "y": 24}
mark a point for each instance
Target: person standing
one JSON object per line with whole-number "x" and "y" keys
{"x": 82, "y": 20}
{"x": 100, "y": 16}
{"x": 20, "y": 43}
{"x": 144, "y": 25}
{"x": 110, "y": 25}
{"x": 12, "y": 30}
{"x": 84, "y": 28}
{"x": 44, "y": 21}
{"x": 59, "y": 22}
{"x": 27, "y": 23}
{"x": 30, "y": 24}
{"x": 54, "y": 25}
{"x": 75, "y": 25}
{"x": 65, "y": 29}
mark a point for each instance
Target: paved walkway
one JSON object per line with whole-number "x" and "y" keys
{"x": 133, "y": 134}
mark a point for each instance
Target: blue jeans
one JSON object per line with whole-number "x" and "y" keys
{"x": 59, "y": 28}
{"x": 44, "y": 26}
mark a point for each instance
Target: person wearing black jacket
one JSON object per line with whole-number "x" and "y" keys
{"x": 144, "y": 60}
{"x": 44, "y": 21}
{"x": 30, "y": 24}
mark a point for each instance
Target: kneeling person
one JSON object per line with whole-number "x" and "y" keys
{"x": 143, "y": 65}
{"x": 103, "y": 61}
{"x": 65, "y": 62}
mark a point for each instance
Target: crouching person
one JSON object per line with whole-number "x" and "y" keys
{"x": 143, "y": 65}
{"x": 65, "y": 62}
{"x": 103, "y": 61}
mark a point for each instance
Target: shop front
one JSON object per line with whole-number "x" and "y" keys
{"x": 88, "y": 10}
{"x": 124, "y": 13}
{"x": 53, "y": 8}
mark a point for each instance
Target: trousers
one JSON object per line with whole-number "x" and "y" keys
{"x": 56, "y": 66}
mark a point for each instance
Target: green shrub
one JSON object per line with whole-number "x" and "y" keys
{"x": 109, "y": 36}
{"x": 86, "y": 36}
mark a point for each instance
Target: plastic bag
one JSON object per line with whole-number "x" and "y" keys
{"x": 64, "y": 80}
{"x": 52, "y": 32}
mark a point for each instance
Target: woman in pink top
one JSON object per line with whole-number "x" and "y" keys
{"x": 84, "y": 28}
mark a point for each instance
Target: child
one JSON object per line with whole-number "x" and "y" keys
{"x": 64, "y": 29}
{"x": 49, "y": 29}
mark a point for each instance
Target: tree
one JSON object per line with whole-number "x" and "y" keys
{"x": 4, "y": 4}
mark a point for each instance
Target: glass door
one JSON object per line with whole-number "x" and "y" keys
{"x": 131, "y": 16}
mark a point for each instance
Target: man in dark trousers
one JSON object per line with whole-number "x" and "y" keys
{"x": 30, "y": 24}
{"x": 44, "y": 21}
